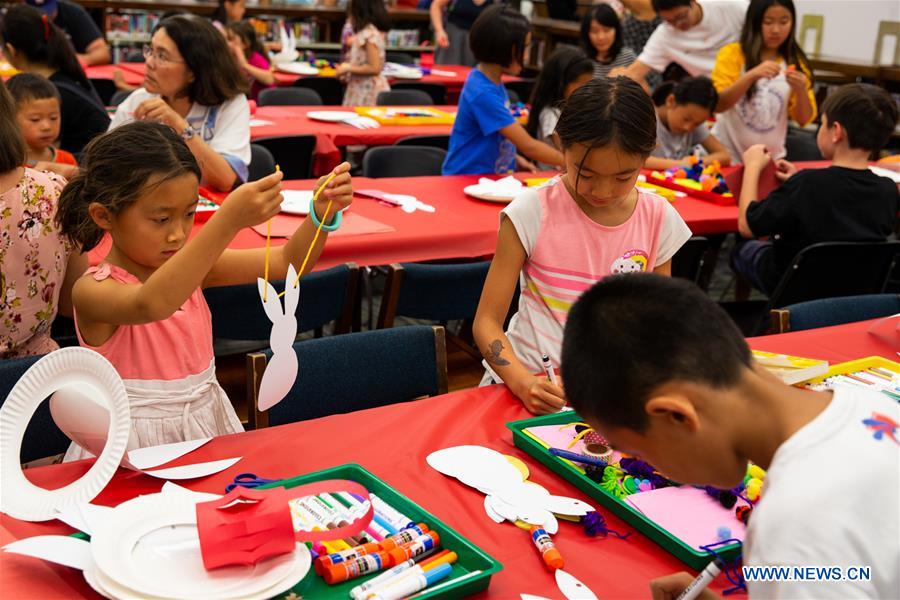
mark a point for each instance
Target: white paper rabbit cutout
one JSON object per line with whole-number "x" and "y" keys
{"x": 281, "y": 372}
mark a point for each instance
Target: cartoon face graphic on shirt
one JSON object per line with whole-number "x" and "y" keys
{"x": 762, "y": 112}
{"x": 633, "y": 261}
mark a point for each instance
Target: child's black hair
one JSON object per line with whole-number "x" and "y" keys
{"x": 752, "y": 41}
{"x": 867, "y": 113}
{"x": 12, "y": 147}
{"x": 606, "y": 16}
{"x": 368, "y": 12}
{"x": 630, "y": 334}
{"x": 693, "y": 90}
{"x": 34, "y": 35}
{"x": 247, "y": 34}
{"x": 498, "y": 36}
{"x": 26, "y": 87}
{"x": 659, "y": 5}
{"x": 115, "y": 169}
{"x": 565, "y": 65}
{"x": 609, "y": 110}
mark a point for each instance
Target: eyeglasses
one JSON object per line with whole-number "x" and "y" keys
{"x": 159, "y": 55}
{"x": 681, "y": 18}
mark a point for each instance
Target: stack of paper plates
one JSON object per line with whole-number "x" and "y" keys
{"x": 148, "y": 547}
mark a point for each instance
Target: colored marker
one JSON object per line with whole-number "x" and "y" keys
{"x": 355, "y": 567}
{"x": 311, "y": 516}
{"x": 416, "y": 569}
{"x": 458, "y": 580}
{"x": 412, "y": 584}
{"x": 548, "y": 368}
{"x": 404, "y": 537}
{"x": 552, "y": 558}
{"x": 703, "y": 579}
{"x": 413, "y": 549}
{"x": 579, "y": 458}
{"x": 358, "y": 508}
{"x": 358, "y": 593}
{"x": 343, "y": 518}
{"x": 391, "y": 514}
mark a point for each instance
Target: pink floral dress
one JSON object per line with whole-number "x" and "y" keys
{"x": 33, "y": 258}
{"x": 363, "y": 90}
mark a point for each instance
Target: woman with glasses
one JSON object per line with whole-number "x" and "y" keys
{"x": 33, "y": 44}
{"x": 194, "y": 86}
{"x": 691, "y": 34}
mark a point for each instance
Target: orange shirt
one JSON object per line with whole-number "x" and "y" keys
{"x": 64, "y": 158}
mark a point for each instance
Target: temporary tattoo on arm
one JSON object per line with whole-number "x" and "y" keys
{"x": 493, "y": 355}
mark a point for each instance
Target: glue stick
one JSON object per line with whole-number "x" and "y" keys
{"x": 422, "y": 544}
{"x": 552, "y": 558}
{"x": 404, "y": 537}
{"x": 326, "y": 560}
{"x": 355, "y": 567}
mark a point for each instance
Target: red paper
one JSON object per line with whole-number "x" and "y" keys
{"x": 353, "y": 224}
{"x": 248, "y": 525}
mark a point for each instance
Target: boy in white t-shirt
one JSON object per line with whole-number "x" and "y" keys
{"x": 691, "y": 35}
{"x": 663, "y": 373}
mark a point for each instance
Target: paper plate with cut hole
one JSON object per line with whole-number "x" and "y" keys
{"x": 67, "y": 368}
{"x": 149, "y": 547}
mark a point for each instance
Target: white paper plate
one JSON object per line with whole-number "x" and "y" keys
{"x": 477, "y": 191}
{"x": 331, "y": 116}
{"x": 296, "y": 202}
{"x": 22, "y": 499}
{"x": 411, "y": 74}
{"x": 149, "y": 547}
{"x": 297, "y": 68}
{"x": 285, "y": 57}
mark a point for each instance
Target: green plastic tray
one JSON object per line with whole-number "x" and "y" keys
{"x": 694, "y": 557}
{"x": 471, "y": 558}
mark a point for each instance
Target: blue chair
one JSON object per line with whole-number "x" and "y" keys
{"x": 289, "y": 96}
{"x": 403, "y": 161}
{"x": 325, "y": 296}
{"x": 833, "y": 311}
{"x": 345, "y": 373}
{"x": 262, "y": 163}
{"x": 42, "y": 437}
{"x": 688, "y": 262}
{"x": 293, "y": 153}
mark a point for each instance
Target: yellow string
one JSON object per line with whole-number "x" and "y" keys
{"x": 268, "y": 248}
{"x": 318, "y": 231}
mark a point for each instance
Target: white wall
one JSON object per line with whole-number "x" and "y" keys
{"x": 851, "y": 26}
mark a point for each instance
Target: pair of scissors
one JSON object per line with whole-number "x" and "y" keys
{"x": 248, "y": 480}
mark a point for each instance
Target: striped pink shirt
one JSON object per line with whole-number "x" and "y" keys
{"x": 567, "y": 253}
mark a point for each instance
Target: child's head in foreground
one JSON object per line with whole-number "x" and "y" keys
{"x": 859, "y": 114}
{"x": 656, "y": 366}
{"x": 37, "y": 109}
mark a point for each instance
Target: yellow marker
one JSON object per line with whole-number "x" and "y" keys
{"x": 448, "y": 558}
{"x": 268, "y": 248}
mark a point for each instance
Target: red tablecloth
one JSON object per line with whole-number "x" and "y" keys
{"x": 402, "y": 436}
{"x": 132, "y": 75}
{"x": 461, "y": 227}
{"x": 837, "y": 344}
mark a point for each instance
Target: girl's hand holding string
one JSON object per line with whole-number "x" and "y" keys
{"x": 253, "y": 203}
{"x": 338, "y": 191}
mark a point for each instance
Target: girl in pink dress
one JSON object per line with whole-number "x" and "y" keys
{"x": 362, "y": 72}
{"x": 559, "y": 240}
{"x": 250, "y": 56}
{"x": 143, "y": 307}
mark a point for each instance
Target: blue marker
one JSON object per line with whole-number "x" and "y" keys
{"x": 579, "y": 458}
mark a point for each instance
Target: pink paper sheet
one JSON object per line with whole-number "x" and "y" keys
{"x": 354, "y": 224}
{"x": 688, "y": 513}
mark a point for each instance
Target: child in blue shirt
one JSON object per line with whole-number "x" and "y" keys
{"x": 485, "y": 136}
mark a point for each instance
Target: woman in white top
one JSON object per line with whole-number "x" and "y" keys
{"x": 194, "y": 86}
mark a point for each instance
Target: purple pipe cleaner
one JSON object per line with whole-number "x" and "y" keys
{"x": 594, "y": 524}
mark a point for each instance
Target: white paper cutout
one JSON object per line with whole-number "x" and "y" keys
{"x": 195, "y": 470}
{"x": 572, "y": 588}
{"x": 532, "y": 597}
{"x": 84, "y": 516}
{"x": 153, "y": 456}
{"x": 60, "y": 549}
{"x": 281, "y": 371}
{"x": 79, "y": 414}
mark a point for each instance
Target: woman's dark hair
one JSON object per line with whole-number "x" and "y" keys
{"x": 368, "y": 12}
{"x": 115, "y": 169}
{"x": 34, "y": 35}
{"x": 245, "y": 31}
{"x": 12, "y": 146}
{"x": 609, "y": 111}
{"x": 564, "y": 66}
{"x": 498, "y": 36}
{"x": 606, "y": 16}
{"x": 220, "y": 14}
{"x": 206, "y": 53}
{"x": 752, "y": 40}
{"x": 693, "y": 90}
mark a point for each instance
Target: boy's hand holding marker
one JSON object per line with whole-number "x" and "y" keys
{"x": 540, "y": 396}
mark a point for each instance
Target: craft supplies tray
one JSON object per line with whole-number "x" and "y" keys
{"x": 694, "y": 557}
{"x": 418, "y": 115}
{"x": 470, "y": 557}
{"x": 732, "y": 176}
{"x": 855, "y": 366}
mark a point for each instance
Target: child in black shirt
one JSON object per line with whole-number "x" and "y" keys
{"x": 845, "y": 202}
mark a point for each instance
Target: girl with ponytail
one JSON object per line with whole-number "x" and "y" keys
{"x": 37, "y": 266}
{"x": 33, "y": 44}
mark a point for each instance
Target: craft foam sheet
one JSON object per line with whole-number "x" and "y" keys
{"x": 557, "y": 436}
{"x": 688, "y": 513}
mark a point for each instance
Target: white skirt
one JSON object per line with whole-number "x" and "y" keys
{"x": 164, "y": 412}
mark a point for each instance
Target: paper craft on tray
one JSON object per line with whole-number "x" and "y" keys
{"x": 689, "y": 514}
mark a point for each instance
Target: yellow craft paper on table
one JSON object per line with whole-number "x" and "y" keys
{"x": 791, "y": 369}
{"x": 407, "y": 115}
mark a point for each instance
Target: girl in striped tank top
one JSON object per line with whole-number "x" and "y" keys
{"x": 555, "y": 242}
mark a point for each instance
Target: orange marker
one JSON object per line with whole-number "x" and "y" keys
{"x": 420, "y": 545}
{"x": 444, "y": 558}
{"x": 403, "y": 537}
{"x": 552, "y": 558}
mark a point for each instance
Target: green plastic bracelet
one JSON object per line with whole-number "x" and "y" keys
{"x": 336, "y": 222}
